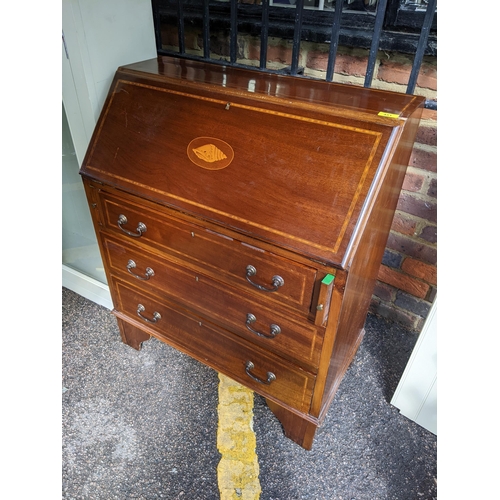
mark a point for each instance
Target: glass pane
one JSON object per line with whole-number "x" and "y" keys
{"x": 79, "y": 245}
{"x": 363, "y": 5}
{"x": 415, "y": 4}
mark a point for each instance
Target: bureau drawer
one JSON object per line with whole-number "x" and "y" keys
{"x": 225, "y": 305}
{"x": 265, "y": 373}
{"x": 216, "y": 254}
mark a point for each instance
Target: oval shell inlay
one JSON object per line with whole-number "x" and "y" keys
{"x": 210, "y": 153}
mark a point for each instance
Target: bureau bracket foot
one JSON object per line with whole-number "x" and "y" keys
{"x": 298, "y": 429}
{"x": 132, "y": 336}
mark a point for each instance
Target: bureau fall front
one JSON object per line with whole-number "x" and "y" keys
{"x": 242, "y": 218}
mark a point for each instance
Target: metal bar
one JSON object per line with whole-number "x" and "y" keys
{"x": 377, "y": 30}
{"x": 263, "y": 34}
{"x": 422, "y": 42}
{"x": 157, "y": 25}
{"x": 334, "y": 42}
{"x": 206, "y": 30}
{"x": 233, "y": 42}
{"x": 180, "y": 26}
{"x": 430, "y": 104}
{"x": 224, "y": 62}
{"x": 299, "y": 7}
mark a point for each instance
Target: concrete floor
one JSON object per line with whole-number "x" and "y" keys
{"x": 143, "y": 425}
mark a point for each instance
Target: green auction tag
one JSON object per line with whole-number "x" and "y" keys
{"x": 328, "y": 279}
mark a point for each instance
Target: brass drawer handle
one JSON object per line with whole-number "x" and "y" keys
{"x": 149, "y": 272}
{"x": 277, "y": 281}
{"x": 270, "y": 375}
{"x": 156, "y": 315}
{"x": 141, "y": 227}
{"x": 275, "y": 329}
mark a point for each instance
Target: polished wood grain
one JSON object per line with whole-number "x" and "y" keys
{"x": 131, "y": 334}
{"x": 218, "y": 349}
{"x": 354, "y": 102}
{"x": 139, "y": 128}
{"x": 296, "y": 427}
{"x": 198, "y": 173}
{"x": 363, "y": 268}
{"x": 226, "y": 306}
{"x": 209, "y": 250}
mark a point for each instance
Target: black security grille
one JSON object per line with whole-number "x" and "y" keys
{"x": 389, "y": 25}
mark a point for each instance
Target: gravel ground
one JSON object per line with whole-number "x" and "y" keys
{"x": 142, "y": 425}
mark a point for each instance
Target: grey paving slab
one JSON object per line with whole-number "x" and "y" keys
{"x": 142, "y": 425}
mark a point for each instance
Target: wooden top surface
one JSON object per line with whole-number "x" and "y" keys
{"x": 286, "y": 160}
{"x": 289, "y": 89}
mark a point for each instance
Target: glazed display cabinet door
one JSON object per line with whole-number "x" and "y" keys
{"x": 80, "y": 250}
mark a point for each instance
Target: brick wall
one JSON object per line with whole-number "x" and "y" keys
{"x": 407, "y": 281}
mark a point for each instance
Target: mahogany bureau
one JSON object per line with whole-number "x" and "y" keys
{"x": 242, "y": 219}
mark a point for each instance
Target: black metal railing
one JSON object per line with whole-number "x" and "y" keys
{"x": 377, "y": 31}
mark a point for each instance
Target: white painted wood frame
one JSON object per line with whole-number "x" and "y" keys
{"x": 98, "y": 37}
{"x": 416, "y": 394}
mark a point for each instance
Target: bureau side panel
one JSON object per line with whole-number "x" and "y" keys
{"x": 365, "y": 264}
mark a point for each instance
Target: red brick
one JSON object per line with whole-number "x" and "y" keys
{"x": 345, "y": 64}
{"x": 405, "y": 318}
{"x": 350, "y": 65}
{"x": 404, "y": 224}
{"x": 317, "y": 60}
{"x": 384, "y": 292}
{"x": 429, "y": 233}
{"x": 394, "y": 72}
{"x": 413, "y": 182}
{"x": 427, "y": 77}
{"x": 418, "y": 207}
{"x": 432, "y": 191}
{"x": 402, "y": 281}
{"x": 426, "y": 160}
{"x": 374, "y": 305}
{"x": 412, "y": 248}
{"x": 410, "y": 303}
{"x": 254, "y": 50}
{"x": 427, "y": 135}
{"x": 420, "y": 270}
{"x": 429, "y": 114}
{"x": 279, "y": 53}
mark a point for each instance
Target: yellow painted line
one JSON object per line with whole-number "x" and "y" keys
{"x": 238, "y": 469}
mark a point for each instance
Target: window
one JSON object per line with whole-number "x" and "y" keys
{"x": 326, "y": 4}
{"x": 401, "y": 27}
